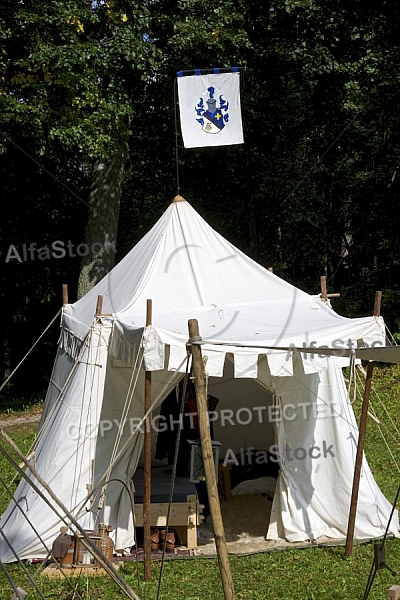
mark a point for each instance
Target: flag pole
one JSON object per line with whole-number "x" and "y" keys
{"x": 211, "y": 70}
{"x": 176, "y": 139}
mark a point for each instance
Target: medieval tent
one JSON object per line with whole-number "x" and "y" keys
{"x": 293, "y": 402}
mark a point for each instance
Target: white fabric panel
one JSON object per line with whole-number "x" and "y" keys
{"x": 64, "y": 454}
{"x": 62, "y": 369}
{"x": 214, "y": 365}
{"x": 178, "y": 359}
{"x": 125, "y": 343}
{"x": 280, "y": 363}
{"x": 209, "y": 107}
{"x": 154, "y": 350}
{"x": 312, "y": 363}
{"x": 313, "y": 494}
{"x": 73, "y": 328}
{"x": 245, "y": 365}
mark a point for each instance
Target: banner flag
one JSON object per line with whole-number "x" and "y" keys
{"x": 210, "y": 110}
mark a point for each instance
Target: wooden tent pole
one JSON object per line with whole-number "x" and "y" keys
{"x": 147, "y": 462}
{"x": 208, "y": 460}
{"x": 323, "y": 288}
{"x": 360, "y": 445}
{"x": 65, "y": 294}
{"x": 324, "y": 294}
{"x": 99, "y": 306}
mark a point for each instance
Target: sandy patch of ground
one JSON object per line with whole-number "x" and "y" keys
{"x": 246, "y": 520}
{"x": 8, "y": 420}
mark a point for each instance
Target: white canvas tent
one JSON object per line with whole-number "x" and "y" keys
{"x": 294, "y": 402}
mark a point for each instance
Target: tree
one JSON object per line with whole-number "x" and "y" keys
{"x": 88, "y": 90}
{"x": 82, "y": 86}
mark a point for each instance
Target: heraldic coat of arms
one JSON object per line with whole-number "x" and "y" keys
{"x": 212, "y": 114}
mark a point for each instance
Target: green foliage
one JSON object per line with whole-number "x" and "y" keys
{"x": 314, "y": 189}
{"x": 74, "y": 70}
{"x": 396, "y": 336}
{"x": 11, "y": 404}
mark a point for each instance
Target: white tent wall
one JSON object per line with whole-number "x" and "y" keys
{"x": 64, "y": 453}
{"x": 120, "y": 438}
{"x": 314, "y": 487}
{"x": 312, "y": 428}
{"x": 94, "y": 422}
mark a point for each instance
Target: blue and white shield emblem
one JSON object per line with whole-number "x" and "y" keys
{"x": 212, "y": 110}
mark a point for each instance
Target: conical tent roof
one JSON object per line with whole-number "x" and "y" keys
{"x": 189, "y": 270}
{"x": 191, "y": 264}
{"x": 244, "y": 312}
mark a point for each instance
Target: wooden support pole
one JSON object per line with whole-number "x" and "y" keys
{"x": 147, "y": 463}
{"x": 65, "y": 294}
{"x": 208, "y": 461}
{"x": 377, "y": 305}
{"x": 323, "y": 289}
{"x": 99, "y": 306}
{"x": 360, "y": 445}
{"x": 324, "y": 294}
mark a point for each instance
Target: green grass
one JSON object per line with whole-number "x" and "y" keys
{"x": 312, "y": 573}
{"x": 23, "y": 435}
{"x": 386, "y": 381}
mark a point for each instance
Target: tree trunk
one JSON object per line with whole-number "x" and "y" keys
{"x": 98, "y": 252}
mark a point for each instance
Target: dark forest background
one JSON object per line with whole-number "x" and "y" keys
{"x": 88, "y": 87}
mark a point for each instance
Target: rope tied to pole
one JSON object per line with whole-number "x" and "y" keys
{"x": 193, "y": 340}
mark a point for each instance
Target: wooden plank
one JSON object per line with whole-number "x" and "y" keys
{"x": 182, "y": 513}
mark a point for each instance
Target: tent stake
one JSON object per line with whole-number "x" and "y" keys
{"x": 360, "y": 445}
{"x": 208, "y": 461}
{"x": 147, "y": 463}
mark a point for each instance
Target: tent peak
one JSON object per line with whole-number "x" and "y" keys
{"x": 179, "y": 199}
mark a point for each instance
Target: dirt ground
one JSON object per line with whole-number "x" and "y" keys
{"x": 246, "y": 520}
{"x": 9, "y": 420}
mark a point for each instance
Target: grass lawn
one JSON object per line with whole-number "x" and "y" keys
{"x": 313, "y": 573}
